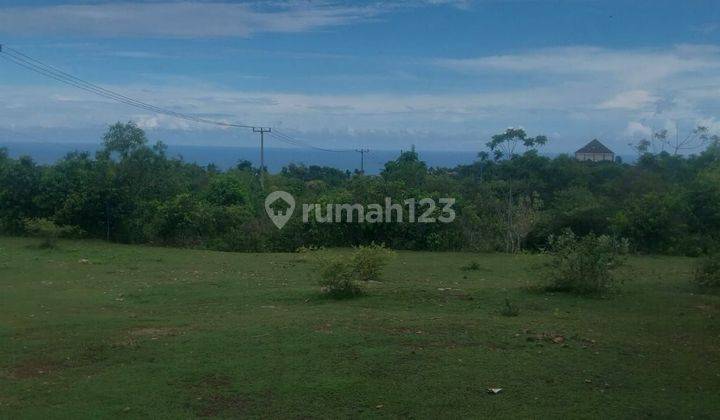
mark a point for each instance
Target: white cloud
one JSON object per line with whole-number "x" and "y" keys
{"x": 633, "y": 99}
{"x": 637, "y": 129}
{"x": 159, "y": 121}
{"x": 458, "y": 4}
{"x": 657, "y": 87}
{"x": 381, "y": 120}
{"x": 185, "y": 19}
{"x": 460, "y": 120}
{"x": 598, "y": 97}
{"x": 635, "y": 67}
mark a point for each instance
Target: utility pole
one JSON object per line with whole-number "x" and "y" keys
{"x": 362, "y": 159}
{"x": 262, "y": 131}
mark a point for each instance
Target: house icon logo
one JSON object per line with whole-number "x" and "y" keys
{"x": 279, "y": 206}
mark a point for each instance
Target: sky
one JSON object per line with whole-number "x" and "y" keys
{"x": 437, "y": 74}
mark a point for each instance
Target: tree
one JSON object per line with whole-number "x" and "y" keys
{"x": 131, "y": 192}
{"x": 72, "y": 194}
{"x": 407, "y": 168}
{"x": 661, "y": 141}
{"x": 580, "y": 210}
{"x": 654, "y": 221}
{"x": 525, "y": 216}
{"x": 19, "y": 193}
{"x": 504, "y": 145}
{"x": 124, "y": 138}
{"x": 695, "y": 139}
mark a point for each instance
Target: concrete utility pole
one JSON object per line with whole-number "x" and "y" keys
{"x": 262, "y": 131}
{"x": 362, "y": 159}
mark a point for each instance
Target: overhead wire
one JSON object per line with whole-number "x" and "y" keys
{"x": 291, "y": 140}
{"x": 49, "y": 71}
{"x": 37, "y": 66}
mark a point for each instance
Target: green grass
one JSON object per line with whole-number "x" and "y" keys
{"x": 167, "y": 333}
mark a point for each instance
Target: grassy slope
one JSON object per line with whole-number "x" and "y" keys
{"x": 172, "y": 333}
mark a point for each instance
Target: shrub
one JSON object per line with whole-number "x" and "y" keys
{"x": 583, "y": 265}
{"x": 509, "y": 309}
{"x": 473, "y": 266}
{"x": 307, "y": 249}
{"x": 707, "y": 272}
{"x": 367, "y": 261}
{"x": 343, "y": 277}
{"x": 337, "y": 280}
{"x": 48, "y": 231}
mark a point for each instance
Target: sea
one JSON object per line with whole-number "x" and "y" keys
{"x": 225, "y": 157}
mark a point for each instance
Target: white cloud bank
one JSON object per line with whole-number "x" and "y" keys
{"x": 180, "y": 20}
{"x": 632, "y": 99}
{"x": 577, "y": 93}
{"x": 637, "y": 67}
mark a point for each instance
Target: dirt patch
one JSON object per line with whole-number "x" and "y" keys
{"x": 212, "y": 396}
{"x": 451, "y": 293}
{"x": 35, "y": 368}
{"x": 547, "y": 337}
{"x": 556, "y": 338}
{"x": 153, "y": 332}
{"x": 706, "y": 308}
{"x": 134, "y": 336}
{"x": 217, "y": 404}
{"x": 404, "y": 331}
{"x": 214, "y": 382}
{"x": 323, "y": 328}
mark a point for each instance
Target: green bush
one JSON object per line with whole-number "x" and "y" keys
{"x": 367, "y": 261}
{"x": 707, "y": 272}
{"x": 583, "y": 265}
{"x": 307, "y": 249}
{"x": 508, "y": 309}
{"x": 48, "y": 231}
{"x": 338, "y": 280}
{"x": 343, "y": 277}
{"x": 473, "y": 266}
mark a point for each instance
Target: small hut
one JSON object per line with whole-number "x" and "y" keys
{"x": 595, "y": 152}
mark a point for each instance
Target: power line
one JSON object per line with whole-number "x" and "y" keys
{"x": 47, "y": 70}
{"x": 301, "y": 143}
{"x": 37, "y": 66}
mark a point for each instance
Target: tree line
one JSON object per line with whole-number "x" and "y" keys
{"x": 511, "y": 199}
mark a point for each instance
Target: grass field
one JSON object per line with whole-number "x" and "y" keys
{"x": 98, "y": 330}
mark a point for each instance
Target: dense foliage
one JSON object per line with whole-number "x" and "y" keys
{"x": 133, "y": 192}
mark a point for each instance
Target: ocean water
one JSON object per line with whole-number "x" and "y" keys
{"x": 226, "y": 157}
{"x": 275, "y": 158}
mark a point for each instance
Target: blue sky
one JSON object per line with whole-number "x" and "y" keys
{"x": 439, "y": 74}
